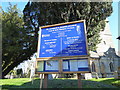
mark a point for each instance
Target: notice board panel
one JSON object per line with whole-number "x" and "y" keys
{"x": 68, "y": 65}
{"x": 62, "y": 40}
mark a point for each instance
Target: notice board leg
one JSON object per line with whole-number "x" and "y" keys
{"x": 79, "y": 80}
{"x": 41, "y": 79}
{"x": 45, "y": 81}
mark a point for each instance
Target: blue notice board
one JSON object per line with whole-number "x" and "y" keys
{"x": 62, "y": 40}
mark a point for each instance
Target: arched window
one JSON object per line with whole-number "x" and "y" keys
{"x": 111, "y": 67}
{"x": 102, "y": 69}
{"x": 93, "y": 67}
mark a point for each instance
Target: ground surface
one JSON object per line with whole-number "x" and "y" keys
{"x": 24, "y": 83}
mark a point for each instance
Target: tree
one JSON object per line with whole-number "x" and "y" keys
{"x": 46, "y": 13}
{"x": 16, "y": 44}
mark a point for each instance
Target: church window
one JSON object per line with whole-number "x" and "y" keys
{"x": 104, "y": 42}
{"x": 111, "y": 67}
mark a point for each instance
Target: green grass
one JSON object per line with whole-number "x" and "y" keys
{"x": 17, "y": 81}
{"x": 59, "y": 83}
{"x": 109, "y": 81}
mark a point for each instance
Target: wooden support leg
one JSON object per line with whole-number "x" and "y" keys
{"x": 79, "y": 80}
{"x": 60, "y": 68}
{"x": 45, "y": 81}
{"x": 41, "y": 81}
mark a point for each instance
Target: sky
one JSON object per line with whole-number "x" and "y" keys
{"x": 113, "y": 19}
{"x": 113, "y": 22}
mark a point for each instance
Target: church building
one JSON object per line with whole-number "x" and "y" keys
{"x": 104, "y": 62}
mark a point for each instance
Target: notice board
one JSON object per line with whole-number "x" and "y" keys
{"x": 63, "y": 41}
{"x": 70, "y": 65}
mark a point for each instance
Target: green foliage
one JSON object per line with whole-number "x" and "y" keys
{"x": 41, "y": 13}
{"x": 19, "y": 71}
{"x": 15, "y": 39}
{"x": 12, "y": 72}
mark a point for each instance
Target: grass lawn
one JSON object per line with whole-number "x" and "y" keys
{"x": 19, "y": 83}
{"x": 110, "y": 81}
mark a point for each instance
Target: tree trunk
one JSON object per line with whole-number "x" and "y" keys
{"x": 9, "y": 68}
{"x": 19, "y": 59}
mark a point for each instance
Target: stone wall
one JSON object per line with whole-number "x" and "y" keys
{"x": 104, "y": 67}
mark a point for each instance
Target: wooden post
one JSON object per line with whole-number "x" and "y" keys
{"x": 79, "y": 80}
{"x": 41, "y": 81}
{"x": 45, "y": 81}
{"x": 60, "y": 68}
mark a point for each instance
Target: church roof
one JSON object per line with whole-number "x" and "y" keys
{"x": 107, "y": 28}
{"x": 106, "y": 47}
